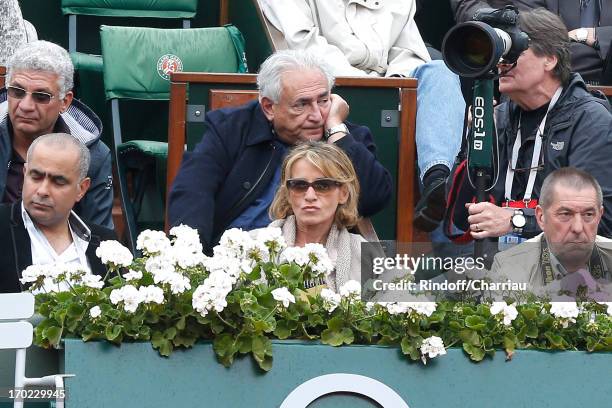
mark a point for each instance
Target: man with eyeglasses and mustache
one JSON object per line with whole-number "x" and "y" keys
{"x": 550, "y": 121}
{"x": 568, "y": 257}
{"x": 230, "y": 178}
{"x": 38, "y": 100}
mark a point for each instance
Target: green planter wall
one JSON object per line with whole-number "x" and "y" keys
{"x": 135, "y": 375}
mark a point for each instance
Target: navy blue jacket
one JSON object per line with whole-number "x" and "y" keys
{"x": 236, "y": 160}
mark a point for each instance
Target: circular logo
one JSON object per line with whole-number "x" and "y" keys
{"x": 166, "y": 64}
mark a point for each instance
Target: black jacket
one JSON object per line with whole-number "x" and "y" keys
{"x": 578, "y": 133}
{"x": 235, "y": 162}
{"x": 16, "y": 247}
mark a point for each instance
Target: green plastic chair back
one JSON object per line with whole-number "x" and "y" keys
{"x": 138, "y": 61}
{"x": 132, "y": 8}
{"x": 137, "y": 66}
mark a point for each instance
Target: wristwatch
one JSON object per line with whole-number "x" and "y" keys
{"x": 335, "y": 129}
{"x": 518, "y": 221}
{"x": 581, "y": 35}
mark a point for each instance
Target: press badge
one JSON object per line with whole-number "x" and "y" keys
{"x": 509, "y": 240}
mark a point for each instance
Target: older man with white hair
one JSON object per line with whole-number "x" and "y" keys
{"x": 38, "y": 100}
{"x": 230, "y": 178}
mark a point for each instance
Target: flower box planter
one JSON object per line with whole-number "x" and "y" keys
{"x": 134, "y": 375}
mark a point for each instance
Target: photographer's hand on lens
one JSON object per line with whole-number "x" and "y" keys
{"x": 488, "y": 220}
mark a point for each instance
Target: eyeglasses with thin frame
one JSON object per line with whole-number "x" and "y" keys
{"x": 320, "y": 186}
{"x": 39, "y": 97}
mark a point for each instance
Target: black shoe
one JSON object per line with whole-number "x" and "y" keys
{"x": 430, "y": 209}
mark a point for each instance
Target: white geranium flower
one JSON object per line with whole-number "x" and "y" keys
{"x": 283, "y": 295}
{"x": 509, "y": 311}
{"x": 396, "y": 308}
{"x": 112, "y": 252}
{"x": 33, "y": 272}
{"x": 432, "y": 347}
{"x": 129, "y": 295}
{"x": 186, "y": 236}
{"x": 178, "y": 283}
{"x": 272, "y": 238}
{"x": 132, "y": 275}
{"x": 152, "y": 242}
{"x": 92, "y": 281}
{"x": 423, "y": 308}
{"x": 297, "y": 255}
{"x": 567, "y": 312}
{"x": 351, "y": 288}
{"x": 331, "y": 299}
{"x": 160, "y": 265}
{"x": 152, "y": 294}
{"x": 95, "y": 312}
{"x": 236, "y": 242}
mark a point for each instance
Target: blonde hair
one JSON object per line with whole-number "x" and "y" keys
{"x": 333, "y": 163}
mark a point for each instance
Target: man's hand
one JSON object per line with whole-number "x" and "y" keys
{"x": 488, "y": 220}
{"x": 590, "y": 36}
{"x": 338, "y": 112}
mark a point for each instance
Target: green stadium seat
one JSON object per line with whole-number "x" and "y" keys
{"x": 137, "y": 66}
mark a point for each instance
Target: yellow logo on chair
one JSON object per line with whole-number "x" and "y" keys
{"x": 166, "y": 64}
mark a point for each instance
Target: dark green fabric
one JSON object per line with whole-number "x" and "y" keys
{"x": 238, "y": 41}
{"x": 134, "y": 57}
{"x": 132, "y": 8}
{"x": 88, "y": 62}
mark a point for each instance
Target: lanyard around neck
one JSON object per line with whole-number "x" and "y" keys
{"x": 535, "y": 158}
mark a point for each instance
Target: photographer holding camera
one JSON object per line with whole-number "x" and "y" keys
{"x": 550, "y": 121}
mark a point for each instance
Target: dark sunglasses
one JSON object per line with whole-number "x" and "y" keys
{"x": 42, "y": 98}
{"x": 322, "y": 185}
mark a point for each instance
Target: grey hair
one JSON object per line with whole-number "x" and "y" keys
{"x": 548, "y": 37}
{"x": 568, "y": 177}
{"x": 62, "y": 141}
{"x": 271, "y": 71}
{"x": 43, "y": 56}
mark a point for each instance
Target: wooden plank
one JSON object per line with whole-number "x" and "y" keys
{"x": 2, "y": 76}
{"x": 223, "y": 12}
{"x": 406, "y": 171}
{"x": 359, "y": 82}
{"x": 227, "y": 98}
{"x": 176, "y": 135}
{"x": 606, "y": 90}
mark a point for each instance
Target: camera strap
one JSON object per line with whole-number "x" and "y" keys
{"x": 535, "y": 158}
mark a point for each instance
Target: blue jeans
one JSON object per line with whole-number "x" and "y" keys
{"x": 440, "y": 110}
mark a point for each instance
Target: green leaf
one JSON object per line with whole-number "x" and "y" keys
{"x": 510, "y": 342}
{"x": 529, "y": 314}
{"x": 475, "y": 353}
{"x": 184, "y": 340}
{"x": 170, "y": 332}
{"x": 475, "y": 322}
{"x": 283, "y": 330}
{"x": 75, "y": 310}
{"x": 262, "y": 351}
{"x": 224, "y": 348}
{"x": 335, "y": 323}
{"x": 112, "y": 332}
{"x": 555, "y": 339}
{"x": 53, "y": 334}
{"x": 469, "y": 336}
{"x": 337, "y": 337}
{"x": 244, "y": 344}
{"x": 409, "y": 348}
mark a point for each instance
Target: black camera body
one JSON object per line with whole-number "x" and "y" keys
{"x": 474, "y": 48}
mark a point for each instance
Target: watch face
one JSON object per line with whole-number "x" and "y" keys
{"x": 518, "y": 220}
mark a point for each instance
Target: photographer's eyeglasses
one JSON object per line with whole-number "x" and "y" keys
{"x": 320, "y": 186}
{"x": 39, "y": 97}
